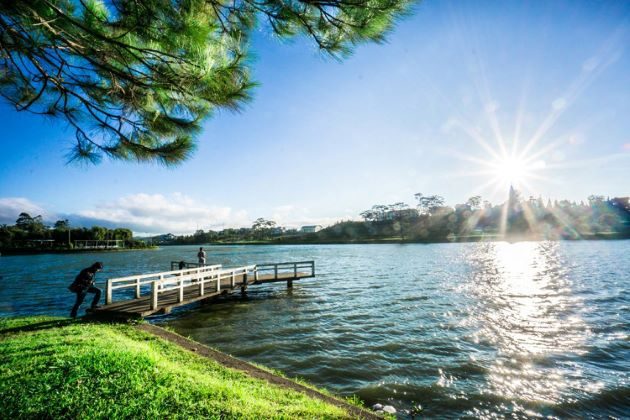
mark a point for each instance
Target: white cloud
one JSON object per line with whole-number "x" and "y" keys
{"x": 149, "y": 214}
{"x": 11, "y": 207}
{"x": 282, "y": 214}
{"x": 296, "y": 217}
{"x": 157, "y": 213}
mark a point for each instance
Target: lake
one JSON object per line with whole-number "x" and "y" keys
{"x": 465, "y": 330}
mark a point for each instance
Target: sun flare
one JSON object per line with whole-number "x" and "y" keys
{"x": 514, "y": 171}
{"x": 511, "y": 170}
{"x": 518, "y": 171}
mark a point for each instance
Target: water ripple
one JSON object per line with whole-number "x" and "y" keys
{"x": 485, "y": 330}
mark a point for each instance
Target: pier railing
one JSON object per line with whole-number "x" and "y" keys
{"x": 145, "y": 279}
{"x": 277, "y": 269}
{"x": 212, "y": 279}
{"x": 207, "y": 278}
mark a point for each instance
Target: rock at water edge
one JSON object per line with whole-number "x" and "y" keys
{"x": 389, "y": 409}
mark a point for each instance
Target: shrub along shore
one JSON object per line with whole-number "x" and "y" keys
{"x": 61, "y": 368}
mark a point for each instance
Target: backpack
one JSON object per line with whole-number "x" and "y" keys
{"x": 82, "y": 281}
{"x": 74, "y": 288}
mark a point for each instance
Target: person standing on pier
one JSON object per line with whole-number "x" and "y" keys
{"x": 201, "y": 255}
{"x": 84, "y": 284}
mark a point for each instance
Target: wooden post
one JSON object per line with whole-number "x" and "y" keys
{"x": 295, "y": 270}
{"x": 275, "y": 271}
{"x": 108, "y": 293}
{"x": 256, "y": 274}
{"x": 138, "y": 288}
{"x": 154, "y": 295}
{"x": 201, "y": 283}
{"x": 232, "y": 280}
{"x": 313, "y": 268}
{"x": 244, "y": 284}
{"x": 218, "y": 282}
{"x": 180, "y": 298}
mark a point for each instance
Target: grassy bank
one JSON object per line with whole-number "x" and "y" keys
{"x": 57, "y": 368}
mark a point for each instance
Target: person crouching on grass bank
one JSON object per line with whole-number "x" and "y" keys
{"x": 84, "y": 284}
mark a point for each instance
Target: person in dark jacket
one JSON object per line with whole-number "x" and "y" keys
{"x": 201, "y": 256}
{"x": 84, "y": 284}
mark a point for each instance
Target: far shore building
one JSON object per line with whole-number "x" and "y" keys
{"x": 98, "y": 244}
{"x": 311, "y": 229}
{"x": 41, "y": 243}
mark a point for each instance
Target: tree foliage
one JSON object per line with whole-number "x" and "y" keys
{"x": 262, "y": 227}
{"x": 30, "y": 224}
{"x": 528, "y": 219}
{"x": 516, "y": 217}
{"x": 135, "y": 79}
{"x": 63, "y": 224}
{"x": 28, "y": 230}
{"x": 428, "y": 204}
{"x": 262, "y": 224}
{"x": 474, "y": 202}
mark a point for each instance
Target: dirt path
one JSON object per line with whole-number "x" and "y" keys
{"x": 252, "y": 370}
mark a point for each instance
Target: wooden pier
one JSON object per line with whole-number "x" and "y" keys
{"x": 159, "y": 293}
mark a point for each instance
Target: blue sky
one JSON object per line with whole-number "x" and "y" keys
{"x": 323, "y": 140}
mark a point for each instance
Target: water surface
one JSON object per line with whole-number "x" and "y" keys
{"x": 481, "y": 330}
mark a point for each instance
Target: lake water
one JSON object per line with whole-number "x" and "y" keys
{"x": 465, "y": 330}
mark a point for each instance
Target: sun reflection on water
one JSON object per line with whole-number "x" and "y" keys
{"x": 527, "y": 313}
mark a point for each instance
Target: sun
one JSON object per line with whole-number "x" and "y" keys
{"x": 511, "y": 170}
{"x": 503, "y": 169}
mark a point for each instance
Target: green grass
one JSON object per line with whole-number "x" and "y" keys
{"x": 354, "y": 400}
{"x": 55, "y": 368}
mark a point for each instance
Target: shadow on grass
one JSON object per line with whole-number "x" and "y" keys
{"x": 44, "y": 325}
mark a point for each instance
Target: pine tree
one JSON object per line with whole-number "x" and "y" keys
{"x": 136, "y": 79}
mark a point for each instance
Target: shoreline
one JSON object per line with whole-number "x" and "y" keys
{"x": 150, "y": 364}
{"x": 25, "y": 251}
{"x": 252, "y": 370}
{"x": 487, "y": 238}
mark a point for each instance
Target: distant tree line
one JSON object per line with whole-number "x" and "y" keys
{"x": 431, "y": 220}
{"x": 31, "y": 232}
{"x": 262, "y": 230}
